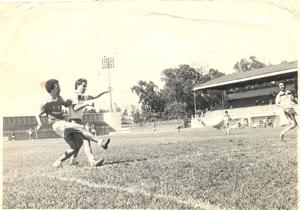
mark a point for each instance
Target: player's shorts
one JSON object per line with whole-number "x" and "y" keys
{"x": 63, "y": 128}
{"x": 77, "y": 136}
{"x": 74, "y": 140}
{"x": 290, "y": 112}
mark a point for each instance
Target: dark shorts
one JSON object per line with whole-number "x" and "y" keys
{"x": 74, "y": 140}
{"x": 290, "y": 112}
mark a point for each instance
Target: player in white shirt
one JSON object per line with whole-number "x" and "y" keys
{"x": 79, "y": 103}
{"x": 227, "y": 118}
{"x": 287, "y": 102}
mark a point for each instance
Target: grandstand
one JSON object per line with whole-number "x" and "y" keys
{"x": 249, "y": 96}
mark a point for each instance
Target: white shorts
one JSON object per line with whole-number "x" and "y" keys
{"x": 60, "y": 126}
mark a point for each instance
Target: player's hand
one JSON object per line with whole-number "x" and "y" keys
{"x": 68, "y": 103}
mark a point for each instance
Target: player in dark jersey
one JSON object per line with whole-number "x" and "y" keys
{"x": 53, "y": 110}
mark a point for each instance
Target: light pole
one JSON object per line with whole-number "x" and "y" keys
{"x": 108, "y": 63}
{"x": 195, "y": 104}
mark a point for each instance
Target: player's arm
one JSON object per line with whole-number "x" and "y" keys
{"x": 97, "y": 96}
{"x": 38, "y": 117}
{"x": 277, "y": 100}
{"x": 294, "y": 99}
{"x": 66, "y": 103}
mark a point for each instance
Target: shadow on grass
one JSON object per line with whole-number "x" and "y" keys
{"x": 128, "y": 161}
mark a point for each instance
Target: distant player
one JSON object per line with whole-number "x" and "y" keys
{"x": 287, "y": 102}
{"x": 30, "y": 134}
{"x": 226, "y": 119}
{"x": 79, "y": 103}
{"x": 179, "y": 128}
{"x": 13, "y": 136}
{"x": 154, "y": 127}
{"x": 53, "y": 110}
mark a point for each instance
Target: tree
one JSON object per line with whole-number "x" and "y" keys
{"x": 176, "y": 99}
{"x": 175, "y": 110}
{"x": 150, "y": 98}
{"x": 136, "y": 115}
{"x": 214, "y": 73}
{"x": 248, "y": 64}
{"x": 178, "y": 89}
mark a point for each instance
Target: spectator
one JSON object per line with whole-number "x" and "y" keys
{"x": 93, "y": 130}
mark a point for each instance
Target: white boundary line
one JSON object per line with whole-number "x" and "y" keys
{"x": 188, "y": 202}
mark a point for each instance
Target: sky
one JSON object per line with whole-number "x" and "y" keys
{"x": 66, "y": 40}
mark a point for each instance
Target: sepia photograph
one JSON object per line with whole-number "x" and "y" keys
{"x": 149, "y": 104}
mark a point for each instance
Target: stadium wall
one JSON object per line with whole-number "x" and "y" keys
{"x": 252, "y": 114}
{"x": 21, "y": 124}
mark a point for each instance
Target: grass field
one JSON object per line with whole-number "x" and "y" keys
{"x": 203, "y": 169}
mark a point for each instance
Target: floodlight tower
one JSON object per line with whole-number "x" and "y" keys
{"x": 108, "y": 63}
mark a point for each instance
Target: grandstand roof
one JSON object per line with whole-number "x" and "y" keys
{"x": 261, "y": 74}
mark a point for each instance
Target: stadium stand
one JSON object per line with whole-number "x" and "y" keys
{"x": 249, "y": 95}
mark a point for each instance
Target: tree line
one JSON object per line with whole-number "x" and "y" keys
{"x": 176, "y": 99}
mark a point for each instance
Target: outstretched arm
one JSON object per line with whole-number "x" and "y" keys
{"x": 94, "y": 97}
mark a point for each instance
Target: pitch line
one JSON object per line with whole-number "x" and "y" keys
{"x": 188, "y": 202}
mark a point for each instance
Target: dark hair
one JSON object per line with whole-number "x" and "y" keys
{"x": 79, "y": 82}
{"x": 50, "y": 84}
{"x": 226, "y": 112}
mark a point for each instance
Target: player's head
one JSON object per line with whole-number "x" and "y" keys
{"x": 226, "y": 112}
{"x": 52, "y": 87}
{"x": 80, "y": 85}
{"x": 281, "y": 85}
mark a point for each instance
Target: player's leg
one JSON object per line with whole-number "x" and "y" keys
{"x": 91, "y": 158}
{"x": 87, "y": 135}
{"x": 74, "y": 127}
{"x": 292, "y": 124}
{"x": 78, "y": 140}
{"x": 63, "y": 128}
{"x": 227, "y": 128}
{"x": 68, "y": 153}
